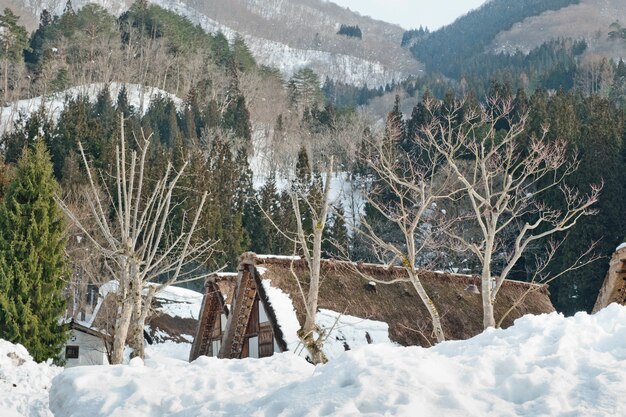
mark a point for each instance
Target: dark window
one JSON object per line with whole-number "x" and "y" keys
{"x": 71, "y": 352}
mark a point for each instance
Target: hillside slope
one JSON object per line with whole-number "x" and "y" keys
{"x": 590, "y": 20}
{"x": 291, "y": 35}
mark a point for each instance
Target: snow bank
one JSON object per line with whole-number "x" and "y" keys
{"x": 542, "y": 366}
{"x": 345, "y": 332}
{"x": 23, "y": 383}
{"x": 168, "y": 349}
{"x": 206, "y": 387}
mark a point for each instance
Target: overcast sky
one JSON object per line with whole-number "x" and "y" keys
{"x": 412, "y": 13}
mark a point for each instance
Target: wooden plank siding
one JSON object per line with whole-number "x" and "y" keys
{"x": 210, "y": 324}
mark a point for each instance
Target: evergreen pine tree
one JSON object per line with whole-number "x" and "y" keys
{"x": 123, "y": 105}
{"x": 68, "y": 18}
{"x": 599, "y": 145}
{"x": 33, "y": 267}
{"x": 242, "y": 55}
{"x": 394, "y": 129}
{"x": 26, "y": 130}
{"x": 336, "y": 240}
{"x": 266, "y": 237}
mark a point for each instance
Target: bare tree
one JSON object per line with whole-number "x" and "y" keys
{"x": 504, "y": 178}
{"x": 594, "y": 75}
{"x": 403, "y": 193}
{"x": 137, "y": 240}
{"x": 310, "y": 246}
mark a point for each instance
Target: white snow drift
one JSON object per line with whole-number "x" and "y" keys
{"x": 543, "y": 366}
{"x": 24, "y": 384}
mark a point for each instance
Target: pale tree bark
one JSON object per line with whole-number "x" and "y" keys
{"x": 407, "y": 178}
{"x": 310, "y": 246}
{"x": 137, "y": 241}
{"x": 504, "y": 180}
{"x": 312, "y": 250}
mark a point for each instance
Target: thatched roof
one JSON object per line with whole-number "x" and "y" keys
{"x": 614, "y": 288}
{"x": 225, "y": 282}
{"x": 164, "y": 322}
{"x": 345, "y": 288}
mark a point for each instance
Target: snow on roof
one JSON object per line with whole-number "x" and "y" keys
{"x": 342, "y": 331}
{"x": 226, "y": 274}
{"x": 179, "y": 302}
{"x": 174, "y": 301}
{"x": 285, "y": 315}
{"x": 546, "y": 365}
{"x": 108, "y": 287}
{"x": 85, "y": 327}
{"x": 344, "y": 289}
{"x": 279, "y": 257}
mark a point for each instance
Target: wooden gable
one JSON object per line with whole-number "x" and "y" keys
{"x": 209, "y": 332}
{"x": 250, "y": 329}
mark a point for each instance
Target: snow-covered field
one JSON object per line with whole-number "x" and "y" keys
{"x": 542, "y": 366}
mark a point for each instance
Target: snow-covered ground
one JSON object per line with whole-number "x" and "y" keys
{"x": 138, "y": 96}
{"x": 542, "y": 366}
{"x": 24, "y": 384}
{"x": 335, "y": 66}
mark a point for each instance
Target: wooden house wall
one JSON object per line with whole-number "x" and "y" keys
{"x": 259, "y": 336}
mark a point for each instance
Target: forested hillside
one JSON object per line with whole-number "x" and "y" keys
{"x": 448, "y": 49}
{"x": 286, "y": 35}
{"x": 466, "y": 56}
{"x": 212, "y": 130}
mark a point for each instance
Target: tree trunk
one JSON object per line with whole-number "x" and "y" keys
{"x": 430, "y": 306}
{"x": 135, "y": 337}
{"x": 6, "y": 77}
{"x": 141, "y": 310}
{"x": 122, "y": 323}
{"x": 486, "y": 293}
{"x": 307, "y": 335}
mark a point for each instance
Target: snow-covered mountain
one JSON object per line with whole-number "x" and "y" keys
{"x": 290, "y": 35}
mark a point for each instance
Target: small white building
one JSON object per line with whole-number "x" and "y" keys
{"x": 85, "y": 346}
